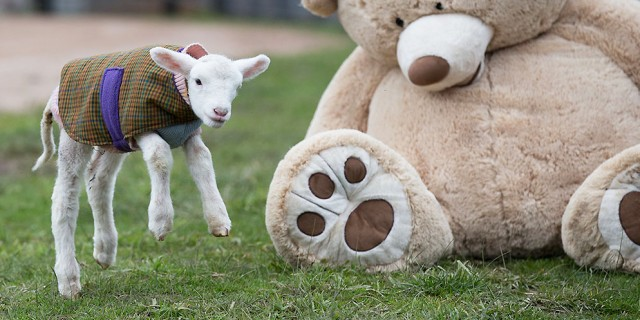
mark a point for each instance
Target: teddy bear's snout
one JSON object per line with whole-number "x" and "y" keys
{"x": 442, "y": 51}
{"x": 428, "y": 70}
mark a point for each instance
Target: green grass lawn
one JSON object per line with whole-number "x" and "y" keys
{"x": 192, "y": 275}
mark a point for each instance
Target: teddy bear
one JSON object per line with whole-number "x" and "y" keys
{"x": 483, "y": 128}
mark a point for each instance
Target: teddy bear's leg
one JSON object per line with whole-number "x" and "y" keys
{"x": 601, "y": 225}
{"x": 342, "y": 196}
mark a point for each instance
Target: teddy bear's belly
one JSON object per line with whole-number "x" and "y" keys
{"x": 504, "y": 155}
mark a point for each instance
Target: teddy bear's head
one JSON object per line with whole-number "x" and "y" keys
{"x": 439, "y": 44}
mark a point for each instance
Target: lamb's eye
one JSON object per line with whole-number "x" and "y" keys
{"x": 198, "y": 82}
{"x": 400, "y": 22}
{"x": 439, "y": 6}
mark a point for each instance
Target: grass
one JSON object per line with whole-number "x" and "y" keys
{"x": 194, "y": 276}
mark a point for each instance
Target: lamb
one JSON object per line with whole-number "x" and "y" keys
{"x": 198, "y": 88}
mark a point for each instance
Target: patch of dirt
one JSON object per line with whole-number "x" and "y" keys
{"x": 34, "y": 48}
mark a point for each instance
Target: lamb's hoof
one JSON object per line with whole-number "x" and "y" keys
{"x": 159, "y": 236}
{"x": 601, "y": 225}
{"x": 218, "y": 222}
{"x": 343, "y": 196}
{"x": 71, "y": 292}
{"x": 219, "y": 232}
{"x": 103, "y": 265}
{"x": 104, "y": 251}
{"x": 160, "y": 218}
{"x": 70, "y": 289}
{"x": 68, "y": 280}
{"x": 160, "y": 228}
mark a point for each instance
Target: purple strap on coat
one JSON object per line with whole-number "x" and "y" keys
{"x": 109, "y": 96}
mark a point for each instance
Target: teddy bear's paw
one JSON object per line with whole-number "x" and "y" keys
{"x": 351, "y": 203}
{"x": 601, "y": 226}
{"x": 346, "y": 207}
{"x": 619, "y": 216}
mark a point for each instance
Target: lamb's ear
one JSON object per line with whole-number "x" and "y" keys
{"x": 322, "y": 8}
{"x": 252, "y": 67}
{"x": 195, "y": 50}
{"x": 172, "y": 61}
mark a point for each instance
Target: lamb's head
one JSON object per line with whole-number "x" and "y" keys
{"x": 212, "y": 80}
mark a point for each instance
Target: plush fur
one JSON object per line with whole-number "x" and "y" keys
{"x": 432, "y": 238}
{"x": 557, "y": 95}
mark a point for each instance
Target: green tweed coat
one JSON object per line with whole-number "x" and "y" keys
{"x": 148, "y": 98}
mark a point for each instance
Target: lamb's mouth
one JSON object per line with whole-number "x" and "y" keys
{"x": 217, "y": 122}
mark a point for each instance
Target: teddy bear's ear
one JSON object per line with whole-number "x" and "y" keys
{"x": 322, "y": 8}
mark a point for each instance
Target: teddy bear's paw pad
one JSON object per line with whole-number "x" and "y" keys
{"x": 344, "y": 207}
{"x": 369, "y": 223}
{"x": 630, "y": 216}
{"x": 619, "y": 217}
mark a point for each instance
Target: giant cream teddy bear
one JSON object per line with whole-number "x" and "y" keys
{"x": 483, "y": 128}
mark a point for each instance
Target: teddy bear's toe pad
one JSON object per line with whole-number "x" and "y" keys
{"x": 630, "y": 216}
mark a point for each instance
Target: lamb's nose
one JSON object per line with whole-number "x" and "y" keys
{"x": 428, "y": 70}
{"x": 220, "y": 111}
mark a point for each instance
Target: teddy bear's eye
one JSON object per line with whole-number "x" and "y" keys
{"x": 439, "y": 6}
{"x": 400, "y": 22}
{"x": 198, "y": 82}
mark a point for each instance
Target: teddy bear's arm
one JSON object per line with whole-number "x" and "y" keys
{"x": 611, "y": 26}
{"x": 345, "y": 102}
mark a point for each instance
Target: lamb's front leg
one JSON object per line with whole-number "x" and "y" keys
{"x": 201, "y": 168}
{"x": 157, "y": 154}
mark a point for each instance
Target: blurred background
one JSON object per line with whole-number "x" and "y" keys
{"x": 278, "y": 9}
{"x": 37, "y": 37}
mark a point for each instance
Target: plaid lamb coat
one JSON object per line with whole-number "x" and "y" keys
{"x": 108, "y": 99}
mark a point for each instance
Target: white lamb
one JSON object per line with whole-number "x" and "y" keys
{"x": 212, "y": 82}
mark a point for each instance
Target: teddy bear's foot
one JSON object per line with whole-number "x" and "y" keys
{"x": 342, "y": 196}
{"x": 601, "y": 226}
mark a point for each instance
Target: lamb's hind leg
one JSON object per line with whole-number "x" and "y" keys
{"x": 72, "y": 159}
{"x": 201, "y": 168}
{"x": 157, "y": 154}
{"x": 100, "y": 180}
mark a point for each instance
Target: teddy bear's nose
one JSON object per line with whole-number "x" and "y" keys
{"x": 428, "y": 70}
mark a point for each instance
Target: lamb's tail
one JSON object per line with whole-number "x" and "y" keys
{"x": 46, "y": 134}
